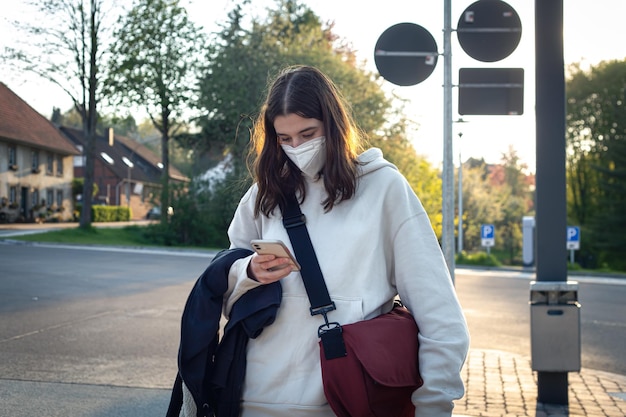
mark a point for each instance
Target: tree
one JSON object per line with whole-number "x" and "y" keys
{"x": 242, "y": 57}
{"x": 157, "y": 56}
{"x": 239, "y": 60}
{"x": 425, "y": 180}
{"x": 67, "y": 52}
{"x": 496, "y": 194}
{"x": 478, "y": 203}
{"x": 515, "y": 200}
{"x": 596, "y": 145}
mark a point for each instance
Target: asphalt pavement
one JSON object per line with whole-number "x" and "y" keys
{"x": 497, "y": 383}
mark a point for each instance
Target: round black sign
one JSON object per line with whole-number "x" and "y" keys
{"x": 406, "y": 54}
{"x": 489, "y": 30}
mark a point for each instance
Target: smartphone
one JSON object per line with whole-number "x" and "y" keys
{"x": 276, "y": 248}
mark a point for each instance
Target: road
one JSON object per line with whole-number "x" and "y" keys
{"x": 498, "y": 313}
{"x": 90, "y": 332}
{"x": 94, "y": 332}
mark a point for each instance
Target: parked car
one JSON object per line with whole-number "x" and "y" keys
{"x": 155, "y": 212}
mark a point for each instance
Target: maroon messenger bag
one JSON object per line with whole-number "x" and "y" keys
{"x": 380, "y": 370}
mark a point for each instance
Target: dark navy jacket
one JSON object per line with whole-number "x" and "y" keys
{"x": 214, "y": 370}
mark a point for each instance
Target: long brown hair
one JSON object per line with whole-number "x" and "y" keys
{"x": 307, "y": 92}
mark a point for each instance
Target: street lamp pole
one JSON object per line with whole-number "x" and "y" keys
{"x": 460, "y": 234}
{"x": 447, "y": 233}
{"x": 128, "y": 188}
{"x": 130, "y": 165}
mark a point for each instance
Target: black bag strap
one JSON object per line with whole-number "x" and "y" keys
{"x": 295, "y": 223}
{"x": 330, "y": 332}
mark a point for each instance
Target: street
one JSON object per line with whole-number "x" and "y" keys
{"x": 498, "y": 314}
{"x": 80, "y": 325}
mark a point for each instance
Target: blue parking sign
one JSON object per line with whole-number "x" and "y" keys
{"x": 487, "y": 235}
{"x": 487, "y": 231}
{"x": 573, "y": 237}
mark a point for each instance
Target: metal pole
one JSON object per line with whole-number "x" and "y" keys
{"x": 128, "y": 188}
{"x": 447, "y": 235}
{"x": 460, "y": 233}
{"x": 551, "y": 211}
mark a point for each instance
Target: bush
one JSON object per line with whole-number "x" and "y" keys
{"x": 477, "y": 258}
{"x": 106, "y": 213}
{"x": 202, "y": 213}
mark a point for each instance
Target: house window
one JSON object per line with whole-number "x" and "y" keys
{"x": 49, "y": 163}
{"x": 35, "y": 197}
{"x": 13, "y": 194}
{"x": 59, "y": 165}
{"x": 13, "y": 157}
{"x": 59, "y": 198}
{"x": 35, "y": 161}
{"x": 49, "y": 197}
{"x": 79, "y": 160}
{"x": 107, "y": 158}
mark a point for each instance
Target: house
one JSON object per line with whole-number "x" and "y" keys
{"x": 35, "y": 164}
{"x": 125, "y": 171}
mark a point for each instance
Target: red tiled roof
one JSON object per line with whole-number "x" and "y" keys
{"x": 22, "y": 124}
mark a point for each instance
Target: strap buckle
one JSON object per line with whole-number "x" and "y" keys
{"x": 294, "y": 221}
{"x": 332, "y": 326}
{"x": 323, "y": 310}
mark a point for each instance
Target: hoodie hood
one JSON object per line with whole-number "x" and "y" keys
{"x": 372, "y": 160}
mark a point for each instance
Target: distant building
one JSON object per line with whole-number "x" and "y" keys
{"x": 36, "y": 169}
{"x": 126, "y": 172}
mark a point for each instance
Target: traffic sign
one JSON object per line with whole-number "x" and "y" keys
{"x": 487, "y": 235}
{"x": 489, "y": 30}
{"x": 491, "y": 91}
{"x": 573, "y": 237}
{"x": 406, "y": 54}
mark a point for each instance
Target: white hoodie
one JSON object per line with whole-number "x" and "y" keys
{"x": 371, "y": 247}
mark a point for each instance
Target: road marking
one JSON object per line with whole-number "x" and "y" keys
{"x": 530, "y": 276}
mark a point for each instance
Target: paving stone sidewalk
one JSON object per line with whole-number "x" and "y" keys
{"x": 498, "y": 383}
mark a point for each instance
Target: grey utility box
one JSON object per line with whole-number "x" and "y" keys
{"x": 554, "y": 326}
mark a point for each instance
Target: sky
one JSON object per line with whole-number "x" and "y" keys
{"x": 593, "y": 32}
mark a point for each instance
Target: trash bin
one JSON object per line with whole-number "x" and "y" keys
{"x": 554, "y": 326}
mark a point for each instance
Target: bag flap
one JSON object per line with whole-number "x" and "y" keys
{"x": 387, "y": 347}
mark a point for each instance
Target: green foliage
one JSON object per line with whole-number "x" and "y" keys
{"x": 477, "y": 258}
{"x": 242, "y": 59}
{"x": 500, "y": 195}
{"x": 574, "y": 267}
{"x": 106, "y": 213}
{"x": 122, "y": 236}
{"x": 63, "y": 46}
{"x": 423, "y": 177}
{"x": 77, "y": 187}
{"x": 157, "y": 58}
{"x": 157, "y": 54}
{"x": 202, "y": 214}
{"x": 596, "y": 157}
{"x": 111, "y": 213}
{"x": 124, "y": 126}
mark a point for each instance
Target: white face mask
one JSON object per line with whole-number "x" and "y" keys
{"x": 309, "y": 157}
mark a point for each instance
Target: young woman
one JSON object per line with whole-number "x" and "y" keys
{"x": 372, "y": 238}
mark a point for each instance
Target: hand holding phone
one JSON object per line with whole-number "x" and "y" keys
{"x": 276, "y": 248}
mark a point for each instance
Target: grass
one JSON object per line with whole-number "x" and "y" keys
{"x": 134, "y": 236}
{"x": 123, "y": 236}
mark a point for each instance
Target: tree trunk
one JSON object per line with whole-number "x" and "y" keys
{"x": 90, "y": 120}
{"x": 165, "y": 157}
